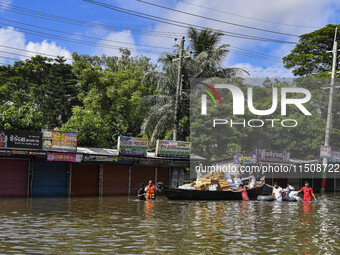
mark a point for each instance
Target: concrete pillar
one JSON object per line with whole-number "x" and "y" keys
{"x": 100, "y": 192}
{"x": 156, "y": 175}
{"x": 70, "y": 179}
{"x": 129, "y": 184}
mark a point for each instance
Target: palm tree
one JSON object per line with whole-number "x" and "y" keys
{"x": 205, "y": 62}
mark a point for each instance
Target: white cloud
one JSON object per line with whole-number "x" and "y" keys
{"x": 47, "y": 48}
{"x": 123, "y": 39}
{"x": 303, "y": 13}
{"x": 13, "y": 47}
{"x": 12, "y": 38}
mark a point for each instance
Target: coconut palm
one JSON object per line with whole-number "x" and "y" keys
{"x": 205, "y": 62}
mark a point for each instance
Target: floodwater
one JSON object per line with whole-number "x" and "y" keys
{"x": 126, "y": 226}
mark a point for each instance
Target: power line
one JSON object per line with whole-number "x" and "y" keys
{"x": 246, "y": 17}
{"x": 216, "y": 20}
{"x": 42, "y": 34}
{"x": 254, "y": 56}
{"x": 243, "y": 52}
{"x": 90, "y": 24}
{"x": 90, "y": 37}
{"x": 35, "y": 52}
{"x": 16, "y": 59}
{"x": 52, "y": 17}
{"x": 255, "y": 52}
{"x": 182, "y": 24}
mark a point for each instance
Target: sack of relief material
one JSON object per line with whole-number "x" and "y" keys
{"x": 186, "y": 187}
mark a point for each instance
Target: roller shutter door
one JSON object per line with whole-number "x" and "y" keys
{"x": 50, "y": 178}
{"x": 141, "y": 174}
{"x": 85, "y": 180}
{"x": 115, "y": 180}
{"x": 163, "y": 175}
{"x": 13, "y": 177}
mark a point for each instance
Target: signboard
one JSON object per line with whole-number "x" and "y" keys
{"x": 325, "y": 152}
{"x": 59, "y": 140}
{"x": 58, "y": 156}
{"x": 92, "y": 158}
{"x": 132, "y": 146}
{"x": 178, "y": 149}
{"x": 246, "y": 159}
{"x": 19, "y": 152}
{"x": 20, "y": 139}
{"x": 335, "y": 157}
{"x": 272, "y": 155}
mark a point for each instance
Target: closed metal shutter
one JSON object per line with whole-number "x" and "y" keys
{"x": 163, "y": 175}
{"x": 115, "y": 180}
{"x": 141, "y": 174}
{"x": 13, "y": 177}
{"x": 85, "y": 180}
{"x": 50, "y": 178}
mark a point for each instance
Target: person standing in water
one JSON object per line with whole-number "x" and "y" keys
{"x": 277, "y": 191}
{"x": 150, "y": 190}
{"x": 141, "y": 192}
{"x": 243, "y": 191}
{"x": 307, "y": 192}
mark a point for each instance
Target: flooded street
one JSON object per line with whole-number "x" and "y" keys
{"x": 126, "y": 226}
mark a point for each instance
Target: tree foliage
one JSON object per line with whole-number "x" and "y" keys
{"x": 310, "y": 56}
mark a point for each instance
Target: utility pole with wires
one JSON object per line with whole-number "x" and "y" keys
{"x": 329, "y": 112}
{"x": 178, "y": 91}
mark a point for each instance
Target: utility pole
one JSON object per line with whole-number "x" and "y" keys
{"x": 329, "y": 112}
{"x": 178, "y": 91}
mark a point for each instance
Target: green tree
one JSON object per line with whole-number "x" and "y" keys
{"x": 39, "y": 87}
{"x": 111, "y": 92}
{"x": 310, "y": 55}
{"x": 205, "y": 62}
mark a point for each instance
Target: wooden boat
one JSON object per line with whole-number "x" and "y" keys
{"x": 183, "y": 194}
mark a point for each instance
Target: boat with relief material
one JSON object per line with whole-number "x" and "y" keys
{"x": 183, "y": 194}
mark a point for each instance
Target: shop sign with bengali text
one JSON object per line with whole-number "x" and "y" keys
{"x": 272, "y": 155}
{"x": 94, "y": 158}
{"x": 132, "y": 146}
{"x": 245, "y": 158}
{"x": 58, "y": 156}
{"x": 54, "y": 140}
{"x": 20, "y": 139}
{"x": 177, "y": 149}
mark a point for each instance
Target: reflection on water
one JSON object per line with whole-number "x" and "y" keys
{"x": 125, "y": 225}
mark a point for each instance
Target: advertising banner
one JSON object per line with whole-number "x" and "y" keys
{"x": 178, "y": 149}
{"x": 59, "y": 140}
{"x": 93, "y": 158}
{"x": 335, "y": 157}
{"x": 325, "y": 152}
{"x": 20, "y": 139}
{"x": 132, "y": 146}
{"x": 246, "y": 159}
{"x": 272, "y": 155}
{"x": 58, "y": 156}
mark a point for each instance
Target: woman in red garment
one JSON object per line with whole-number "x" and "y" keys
{"x": 243, "y": 191}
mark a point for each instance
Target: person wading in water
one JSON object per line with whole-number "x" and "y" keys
{"x": 150, "y": 190}
{"x": 141, "y": 192}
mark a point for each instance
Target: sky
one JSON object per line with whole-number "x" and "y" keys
{"x": 95, "y": 30}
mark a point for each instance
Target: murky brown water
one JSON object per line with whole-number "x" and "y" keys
{"x": 126, "y": 226}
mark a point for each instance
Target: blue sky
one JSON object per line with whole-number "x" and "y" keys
{"x": 285, "y": 16}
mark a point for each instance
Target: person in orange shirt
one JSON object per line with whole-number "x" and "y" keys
{"x": 150, "y": 190}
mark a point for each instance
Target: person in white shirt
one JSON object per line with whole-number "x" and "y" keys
{"x": 277, "y": 191}
{"x": 287, "y": 191}
{"x": 252, "y": 181}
